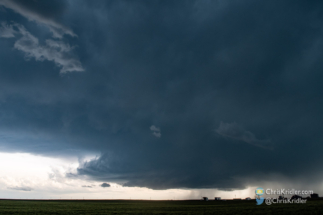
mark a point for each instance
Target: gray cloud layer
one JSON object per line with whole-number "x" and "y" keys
{"x": 42, "y": 12}
{"x": 56, "y": 51}
{"x": 189, "y": 68}
{"x": 105, "y": 185}
{"x": 6, "y": 31}
{"x": 156, "y": 131}
{"x": 236, "y": 132}
{"x": 22, "y": 188}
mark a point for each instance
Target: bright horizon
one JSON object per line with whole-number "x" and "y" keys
{"x": 47, "y": 180}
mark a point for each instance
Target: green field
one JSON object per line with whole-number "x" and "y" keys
{"x": 154, "y": 207}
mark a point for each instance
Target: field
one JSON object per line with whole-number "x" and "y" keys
{"x": 79, "y": 207}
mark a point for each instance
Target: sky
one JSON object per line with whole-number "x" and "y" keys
{"x": 160, "y": 99}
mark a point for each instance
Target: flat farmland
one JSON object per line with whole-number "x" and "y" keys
{"x": 80, "y": 207}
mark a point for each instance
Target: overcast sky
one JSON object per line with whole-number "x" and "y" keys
{"x": 148, "y": 98}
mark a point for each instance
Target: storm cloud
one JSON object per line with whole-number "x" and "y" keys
{"x": 236, "y": 132}
{"x": 176, "y": 94}
{"x": 105, "y": 185}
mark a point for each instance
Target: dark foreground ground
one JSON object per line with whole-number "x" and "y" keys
{"x": 154, "y": 207}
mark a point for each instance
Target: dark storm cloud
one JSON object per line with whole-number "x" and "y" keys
{"x": 180, "y": 69}
{"x": 105, "y": 185}
{"x": 236, "y": 132}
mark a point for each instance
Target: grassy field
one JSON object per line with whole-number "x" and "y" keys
{"x": 154, "y": 207}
